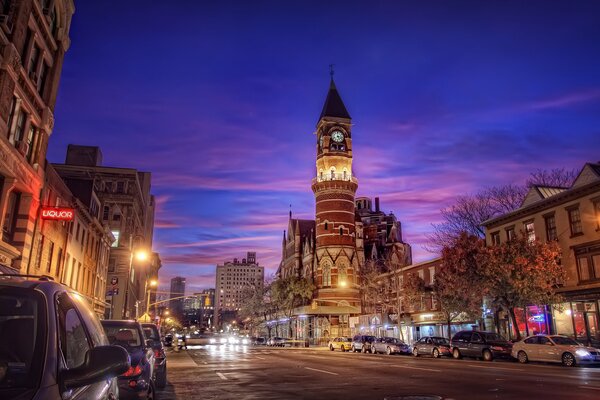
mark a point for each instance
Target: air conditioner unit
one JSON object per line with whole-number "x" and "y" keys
{"x": 22, "y": 147}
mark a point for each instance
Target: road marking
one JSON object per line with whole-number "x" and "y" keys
{"x": 260, "y": 358}
{"x": 507, "y": 369}
{"x": 423, "y": 369}
{"x": 220, "y": 375}
{"x": 320, "y": 370}
{"x": 589, "y": 387}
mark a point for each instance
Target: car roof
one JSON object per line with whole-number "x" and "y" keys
{"x": 120, "y": 322}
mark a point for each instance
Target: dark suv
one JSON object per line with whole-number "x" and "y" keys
{"x": 52, "y": 345}
{"x": 487, "y": 345}
{"x": 362, "y": 343}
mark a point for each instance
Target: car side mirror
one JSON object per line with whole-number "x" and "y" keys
{"x": 102, "y": 362}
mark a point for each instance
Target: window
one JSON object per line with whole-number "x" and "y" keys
{"x": 326, "y": 225}
{"x": 108, "y": 186}
{"x": 510, "y": 233}
{"x": 11, "y": 116}
{"x": 431, "y": 274}
{"x": 551, "y": 234}
{"x": 116, "y": 242}
{"x": 495, "y": 238}
{"x": 41, "y": 82}
{"x": 105, "y": 212}
{"x": 529, "y": 231}
{"x": 33, "y": 61}
{"x": 588, "y": 262}
{"x": 10, "y": 218}
{"x": 597, "y": 213}
{"x": 120, "y": 187}
{"x": 38, "y": 251}
{"x": 50, "y": 254}
{"x": 20, "y": 127}
{"x": 326, "y": 275}
{"x": 73, "y": 340}
{"x": 341, "y": 231}
{"x": 575, "y": 221}
{"x": 28, "y": 145}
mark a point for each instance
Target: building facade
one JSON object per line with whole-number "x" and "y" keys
{"x": 177, "y": 291}
{"x": 34, "y": 36}
{"x": 332, "y": 249}
{"x": 231, "y": 279}
{"x": 199, "y": 310}
{"x": 570, "y": 216}
{"x": 127, "y": 207}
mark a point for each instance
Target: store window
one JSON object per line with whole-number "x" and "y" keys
{"x": 563, "y": 321}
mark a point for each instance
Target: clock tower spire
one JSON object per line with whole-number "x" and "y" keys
{"x": 335, "y": 187}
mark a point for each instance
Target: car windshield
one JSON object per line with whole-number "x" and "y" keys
{"x": 369, "y": 338}
{"x": 494, "y": 337}
{"x": 22, "y": 333}
{"x": 347, "y": 339}
{"x": 392, "y": 340}
{"x": 439, "y": 340}
{"x": 561, "y": 340}
{"x": 122, "y": 335}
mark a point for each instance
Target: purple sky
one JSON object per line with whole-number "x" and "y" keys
{"x": 219, "y": 100}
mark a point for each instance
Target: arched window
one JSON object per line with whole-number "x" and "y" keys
{"x": 326, "y": 225}
{"x": 341, "y": 231}
{"x": 345, "y": 174}
{"x": 332, "y": 173}
{"x": 326, "y": 274}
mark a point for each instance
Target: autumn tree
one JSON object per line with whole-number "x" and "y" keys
{"x": 458, "y": 287}
{"x": 413, "y": 290}
{"x": 521, "y": 272}
{"x": 470, "y": 210}
{"x": 292, "y": 292}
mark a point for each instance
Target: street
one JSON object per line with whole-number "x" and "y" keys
{"x": 246, "y": 372}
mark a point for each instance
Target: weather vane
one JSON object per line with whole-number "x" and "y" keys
{"x": 331, "y": 72}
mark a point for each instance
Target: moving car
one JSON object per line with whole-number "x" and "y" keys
{"x": 52, "y": 345}
{"x": 160, "y": 358}
{"x": 478, "y": 344}
{"x": 138, "y": 381}
{"x": 435, "y": 346}
{"x": 362, "y": 343}
{"x": 340, "y": 343}
{"x": 390, "y": 345}
{"x": 168, "y": 340}
{"x": 554, "y": 348}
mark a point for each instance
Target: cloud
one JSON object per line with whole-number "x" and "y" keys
{"x": 565, "y": 100}
{"x": 205, "y": 243}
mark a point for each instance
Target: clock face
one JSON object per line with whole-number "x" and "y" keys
{"x": 337, "y": 136}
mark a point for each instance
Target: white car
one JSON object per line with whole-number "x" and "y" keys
{"x": 554, "y": 348}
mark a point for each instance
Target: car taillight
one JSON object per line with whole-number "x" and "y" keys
{"x": 133, "y": 371}
{"x": 158, "y": 354}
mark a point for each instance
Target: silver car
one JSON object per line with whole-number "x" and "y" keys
{"x": 554, "y": 348}
{"x": 390, "y": 345}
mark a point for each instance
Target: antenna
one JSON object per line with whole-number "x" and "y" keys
{"x": 331, "y": 71}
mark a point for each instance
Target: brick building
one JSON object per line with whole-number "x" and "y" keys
{"x": 34, "y": 36}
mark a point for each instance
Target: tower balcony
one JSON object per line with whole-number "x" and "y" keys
{"x": 334, "y": 177}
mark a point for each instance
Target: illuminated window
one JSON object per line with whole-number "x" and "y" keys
{"x": 529, "y": 231}
{"x": 116, "y": 235}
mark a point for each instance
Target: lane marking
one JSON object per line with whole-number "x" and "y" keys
{"x": 320, "y": 370}
{"x": 220, "y": 375}
{"x": 423, "y": 369}
{"x": 589, "y": 387}
{"x": 260, "y": 358}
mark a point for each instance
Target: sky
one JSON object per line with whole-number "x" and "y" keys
{"x": 220, "y": 99}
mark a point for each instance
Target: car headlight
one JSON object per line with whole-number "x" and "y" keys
{"x": 212, "y": 340}
{"x": 244, "y": 341}
{"x": 583, "y": 353}
{"x": 223, "y": 340}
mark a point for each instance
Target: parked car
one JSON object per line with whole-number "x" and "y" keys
{"x": 138, "y": 381}
{"x": 362, "y": 343}
{"x": 389, "y": 345}
{"x": 340, "y": 343}
{"x": 282, "y": 342}
{"x": 168, "y": 340}
{"x": 259, "y": 341}
{"x": 434, "y": 346}
{"x": 160, "y": 358}
{"x": 273, "y": 341}
{"x": 554, "y": 348}
{"x": 487, "y": 345}
{"x": 52, "y": 345}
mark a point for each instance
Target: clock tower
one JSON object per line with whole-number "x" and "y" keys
{"x": 335, "y": 187}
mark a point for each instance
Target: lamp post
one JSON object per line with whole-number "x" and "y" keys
{"x": 149, "y": 285}
{"x": 140, "y": 255}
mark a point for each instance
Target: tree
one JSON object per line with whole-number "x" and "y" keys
{"x": 458, "y": 287}
{"x": 292, "y": 292}
{"x": 521, "y": 272}
{"x": 413, "y": 290}
{"x": 471, "y": 210}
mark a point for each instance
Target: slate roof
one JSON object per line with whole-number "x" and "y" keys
{"x": 334, "y": 106}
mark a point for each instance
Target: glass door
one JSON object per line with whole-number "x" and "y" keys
{"x": 593, "y": 331}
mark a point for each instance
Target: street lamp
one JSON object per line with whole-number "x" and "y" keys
{"x": 139, "y": 255}
{"x": 149, "y": 285}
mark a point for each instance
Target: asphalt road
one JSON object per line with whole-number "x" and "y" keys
{"x": 246, "y": 372}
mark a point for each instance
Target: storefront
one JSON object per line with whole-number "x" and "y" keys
{"x": 579, "y": 320}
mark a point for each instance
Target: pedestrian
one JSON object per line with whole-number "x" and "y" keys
{"x": 184, "y": 341}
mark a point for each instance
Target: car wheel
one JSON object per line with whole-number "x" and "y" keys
{"x": 364, "y": 349}
{"x": 436, "y": 353}
{"x": 331, "y": 347}
{"x": 353, "y": 349}
{"x": 150, "y": 395}
{"x": 568, "y": 360}
{"x": 456, "y": 354}
{"x": 522, "y": 357}
{"x": 389, "y": 351}
{"x": 415, "y": 352}
{"x": 487, "y": 355}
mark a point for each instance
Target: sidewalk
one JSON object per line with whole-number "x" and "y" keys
{"x": 179, "y": 359}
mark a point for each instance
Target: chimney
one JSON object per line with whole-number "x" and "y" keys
{"x": 376, "y": 204}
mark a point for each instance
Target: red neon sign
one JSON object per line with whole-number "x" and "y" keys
{"x": 58, "y": 214}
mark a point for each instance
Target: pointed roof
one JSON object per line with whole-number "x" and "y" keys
{"x": 334, "y": 106}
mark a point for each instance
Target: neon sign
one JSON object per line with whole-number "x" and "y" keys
{"x": 57, "y": 214}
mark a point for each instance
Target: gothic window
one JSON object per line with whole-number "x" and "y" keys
{"x": 326, "y": 225}
{"x": 332, "y": 173}
{"x": 326, "y": 274}
{"x": 345, "y": 174}
{"x": 341, "y": 231}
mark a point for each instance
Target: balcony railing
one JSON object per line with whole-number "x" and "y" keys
{"x": 334, "y": 177}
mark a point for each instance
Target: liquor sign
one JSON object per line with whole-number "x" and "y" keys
{"x": 57, "y": 214}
